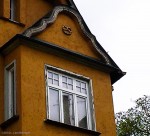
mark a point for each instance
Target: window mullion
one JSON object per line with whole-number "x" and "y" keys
{"x": 75, "y": 110}
{"x": 75, "y": 103}
{"x": 61, "y": 100}
{"x": 88, "y": 115}
{"x": 47, "y": 94}
{"x": 49, "y": 97}
{"x": 9, "y": 95}
{"x": 61, "y": 107}
{"x": 88, "y": 110}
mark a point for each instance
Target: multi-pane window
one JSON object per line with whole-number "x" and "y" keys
{"x": 10, "y": 91}
{"x": 69, "y": 98}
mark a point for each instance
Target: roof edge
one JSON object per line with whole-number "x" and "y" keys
{"x": 115, "y": 72}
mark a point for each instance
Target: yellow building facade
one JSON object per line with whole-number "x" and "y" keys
{"x": 56, "y": 79}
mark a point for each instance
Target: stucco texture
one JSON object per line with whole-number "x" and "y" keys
{"x": 5, "y": 60}
{"x": 27, "y": 14}
{"x": 33, "y": 94}
{"x": 77, "y": 41}
{"x": 30, "y": 76}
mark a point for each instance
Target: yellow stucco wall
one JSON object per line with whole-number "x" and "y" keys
{"x": 77, "y": 41}
{"x": 31, "y": 89}
{"x": 28, "y": 13}
{"x": 33, "y": 93}
{"x": 36, "y": 9}
{"x": 5, "y": 60}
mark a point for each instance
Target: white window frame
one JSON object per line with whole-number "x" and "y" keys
{"x": 13, "y": 10}
{"x": 91, "y": 125}
{"x": 10, "y": 91}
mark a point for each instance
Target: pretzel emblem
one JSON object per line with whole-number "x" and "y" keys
{"x": 67, "y": 30}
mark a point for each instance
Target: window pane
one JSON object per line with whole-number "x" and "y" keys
{"x": 78, "y": 83}
{"x": 54, "y": 105}
{"x": 12, "y": 89}
{"x": 83, "y": 85}
{"x": 82, "y": 114}
{"x": 64, "y": 79}
{"x": 50, "y": 81}
{"x": 70, "y": 87}
{"x": 68, "y": 109}
{"x": 83, "y": 91}
{"x": 50, "y": 75}
{"x": 78, "y": 89}
{"x": 56, "y": 76}
{"x": 70, "y": 81}
{"x": 64, "y": 85}
{"x": 56, "y": 82}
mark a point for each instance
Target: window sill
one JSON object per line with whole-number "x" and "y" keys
{"x": 12, "y": 21}
{"x": 8, "y": 122}
{"x": 93, "y": 133}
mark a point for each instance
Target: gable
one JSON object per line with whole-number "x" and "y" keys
{"x": 42, "y": 24}
{"x": 48, "y": 31}
{"x": 66, "y": 32}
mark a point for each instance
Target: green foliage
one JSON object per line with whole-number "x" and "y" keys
{"x": 135, "y": 121}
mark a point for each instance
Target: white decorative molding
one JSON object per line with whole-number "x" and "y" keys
{"x": 52, "y": 18}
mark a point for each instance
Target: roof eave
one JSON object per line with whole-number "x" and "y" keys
{"x": 115, "y": 72}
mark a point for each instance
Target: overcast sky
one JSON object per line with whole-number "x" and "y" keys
{"x": 122, "y": 27}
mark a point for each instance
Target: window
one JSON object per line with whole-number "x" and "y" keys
{"x": 69, "y": 98}
{"x": 10, "y": 10}
{"x": 2, "y": 8}
{"x": 10, "y": 91}
{"x": 13, "y": 9}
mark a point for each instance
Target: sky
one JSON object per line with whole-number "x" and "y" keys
{"x": 122, "y": 27}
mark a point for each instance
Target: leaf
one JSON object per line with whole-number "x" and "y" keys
{"x": 136, "y": 120}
